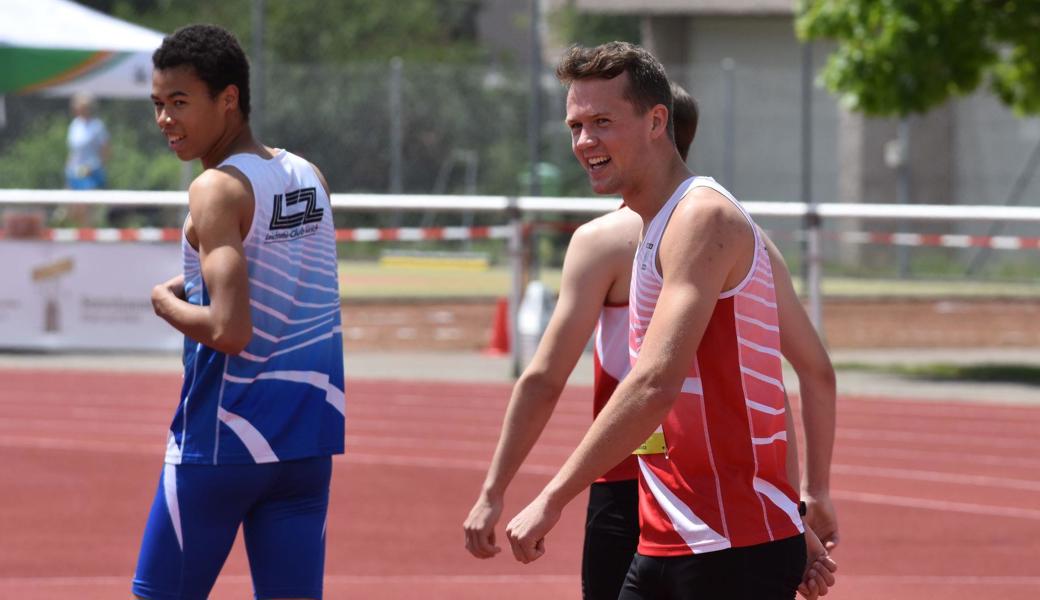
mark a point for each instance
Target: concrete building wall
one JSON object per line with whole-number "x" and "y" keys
{"x": 751, "y": 113}
{"x": 969, "y": 151}
{"x": 686, "y": 7}
{"x": 503, "y": 26}
{"x": 993, "y": 147}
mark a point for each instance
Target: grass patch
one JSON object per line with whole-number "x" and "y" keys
{"x": 985, "y": 373}
{"x": 367, "y": 279}
{"x": 845, "y": 287}
{"x": 370, "y": 280}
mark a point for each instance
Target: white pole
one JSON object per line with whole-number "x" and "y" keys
{"x": 396, "y": 103}
{"x": 903, "y": 190}
{"x": 811, "y": 246}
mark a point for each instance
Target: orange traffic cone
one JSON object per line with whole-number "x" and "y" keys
{"x": 500, "y": 329}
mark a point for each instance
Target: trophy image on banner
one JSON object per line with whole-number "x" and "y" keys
{"x": 49, "y": 276}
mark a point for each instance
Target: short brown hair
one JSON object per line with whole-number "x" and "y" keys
{"x": 648, "y": 85}
{"x": 684, "y": 119}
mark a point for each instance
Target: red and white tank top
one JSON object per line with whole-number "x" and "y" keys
{"x": 611, "y": 364}
{"x": 722, "y": 481}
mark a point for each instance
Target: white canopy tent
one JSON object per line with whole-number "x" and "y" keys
{"x": 60, "y": 48}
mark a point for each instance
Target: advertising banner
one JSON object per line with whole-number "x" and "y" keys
{"x": 81, "y": 296}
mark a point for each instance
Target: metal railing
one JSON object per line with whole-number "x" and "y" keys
{"x": 515, "y": 207}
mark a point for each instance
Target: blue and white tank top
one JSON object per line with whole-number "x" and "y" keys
{"x": 282, "y": 397}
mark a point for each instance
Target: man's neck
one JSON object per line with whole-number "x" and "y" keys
{"x": 237, "y": 139}
{"x": 659, "y": 185}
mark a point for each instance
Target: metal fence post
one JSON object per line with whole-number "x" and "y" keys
{"x": 516, "y": 256}
{"x": 903, "y": 190}
{"x": 729, "y": 67}
{"x": 396, "y": 105}
{"x": 814, "y": 268}
{"x": 259, "y": 78}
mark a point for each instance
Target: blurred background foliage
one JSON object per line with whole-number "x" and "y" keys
{"x": 326, "y": 94}
{"x": 897, "y": 57}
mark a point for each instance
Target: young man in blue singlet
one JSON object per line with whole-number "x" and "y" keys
{"x": 262, "y": 403}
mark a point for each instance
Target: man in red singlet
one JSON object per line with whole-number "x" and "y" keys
{"x": 716, "y": 496}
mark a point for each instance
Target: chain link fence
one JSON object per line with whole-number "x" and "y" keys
{"x": 431, "y": 128}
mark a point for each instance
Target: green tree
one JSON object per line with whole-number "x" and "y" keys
{"x": 366, "y": 30}
{"x": 327, "y": 79}
{"x": 319, "y": 31}
{"x": 896, "y": 57}
{"x": 36, "y": 159}
{"x": 326, "y": 85}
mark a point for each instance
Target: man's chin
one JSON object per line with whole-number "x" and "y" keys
{"x": 603, "y": 188}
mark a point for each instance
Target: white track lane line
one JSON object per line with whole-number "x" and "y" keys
{"x": 460, "y": 579}
{"x": 106, "y": 580}
{"x": 939, "y": 505}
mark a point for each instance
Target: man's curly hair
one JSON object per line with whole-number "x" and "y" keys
{"x": 215, "y": 56}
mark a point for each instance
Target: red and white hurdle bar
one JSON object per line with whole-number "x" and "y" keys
{"x": 417, "y": 234}
{"x": 949, "y": 240}
{"x": 360, "y": 234}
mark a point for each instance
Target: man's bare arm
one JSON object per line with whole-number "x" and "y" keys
{"x": 221, "y": 208}
{"x": 595, "y": 255}
{"x": 802, "y": 347}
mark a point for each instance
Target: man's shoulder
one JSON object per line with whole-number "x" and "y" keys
{"x": 707, "y": 232}
{"x": 617, "y": 227}
{"x": 607, "y": 242}
{"x": 224, "y": 178}
{"x": 222, "y": 187}
{"x": 706, "y": 207}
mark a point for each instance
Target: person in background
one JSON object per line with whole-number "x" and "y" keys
{"x": 88, "y": 146}
{"x": 685, "y": 115}
{"x": 87, "y": 141}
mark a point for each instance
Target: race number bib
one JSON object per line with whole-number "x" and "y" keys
{"x": 654, "y": 444}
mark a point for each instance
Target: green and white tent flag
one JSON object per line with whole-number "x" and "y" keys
{"x": 60, "y": 48}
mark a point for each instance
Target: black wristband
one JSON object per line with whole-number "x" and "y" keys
{"x": 802, "y": 508}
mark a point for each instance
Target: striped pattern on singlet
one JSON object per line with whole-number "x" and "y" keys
{"x": 282, "y": 397}
{"x": 722, "y": 482}
{"x": 610, "y": 365}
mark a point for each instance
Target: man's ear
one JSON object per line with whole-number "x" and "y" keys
{"x": 658, "y": 121}
{"x": 229, "y": 97}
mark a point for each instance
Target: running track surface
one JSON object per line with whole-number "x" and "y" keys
{"x": 935, "y": 500}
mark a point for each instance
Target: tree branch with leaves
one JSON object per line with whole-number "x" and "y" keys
{"x": 896, "y": 57}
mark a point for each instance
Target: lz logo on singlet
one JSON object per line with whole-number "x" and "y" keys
{"x": 295, "y": 215}
{"x": 283, "y": 204}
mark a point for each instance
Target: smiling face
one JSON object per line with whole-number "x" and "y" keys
{"x": 608, "y": 135}
{"x": 193, "y": 121}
